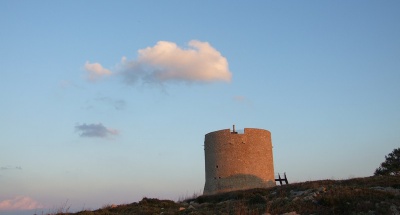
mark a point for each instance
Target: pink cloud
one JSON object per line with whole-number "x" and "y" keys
{"x": 200, "y": 62}
{"x": 166, "y": 62}
{"x": 96, "y": 71}
{"x": 20, "y": 203}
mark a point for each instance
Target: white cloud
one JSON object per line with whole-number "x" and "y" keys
{"x": 95, "y": 130}
{"x": 166, "y": 62}
{"x": 96, "y": 71}
{"x": 20, "y": 203}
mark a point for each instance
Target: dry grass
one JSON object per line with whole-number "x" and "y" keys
{"x": 353, "y": 196}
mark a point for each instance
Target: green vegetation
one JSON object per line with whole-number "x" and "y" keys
{"x": 391, "y": 165}
{"x": 371, "y": 195}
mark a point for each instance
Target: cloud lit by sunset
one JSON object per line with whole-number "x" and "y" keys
{"x": 95, "y": 71}
{"x": 167, "y": 63}
{"x": 20, "y": 203}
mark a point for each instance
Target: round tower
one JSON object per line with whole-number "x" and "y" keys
{"x": 238, "y": 161}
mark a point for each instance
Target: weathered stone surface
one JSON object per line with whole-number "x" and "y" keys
{"x": 236, "y": 161}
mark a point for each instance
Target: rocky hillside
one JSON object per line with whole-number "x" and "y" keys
{"x": 371, "y": 195}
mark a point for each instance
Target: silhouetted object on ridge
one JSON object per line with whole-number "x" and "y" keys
{"x": 391, "y": 165}
{"x": 282, "y": 179}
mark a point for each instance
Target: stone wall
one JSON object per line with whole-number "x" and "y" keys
{"x": 238, "y": 161}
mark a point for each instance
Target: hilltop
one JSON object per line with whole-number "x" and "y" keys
{"x": 370, "y": 195}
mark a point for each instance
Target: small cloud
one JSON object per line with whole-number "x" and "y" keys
{"x": 167, "y": 63}
{"x": 239, "y": 98}
{"x": 242, "y": 100}
{"x": 20, "y": 203}
{"x": 118, "y": 104}
{"x": 95, "y": 130}
{"x": 96, "y": 71}
{"x": 10, "y": 168}
{"x": 65, "y": 84}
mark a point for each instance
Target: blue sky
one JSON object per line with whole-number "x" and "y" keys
{"x": 322, "y": 76}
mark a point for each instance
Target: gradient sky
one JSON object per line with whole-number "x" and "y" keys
{"x": 106, "y": 102}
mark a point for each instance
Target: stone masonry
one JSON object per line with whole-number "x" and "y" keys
{"x": 235, "y": 161}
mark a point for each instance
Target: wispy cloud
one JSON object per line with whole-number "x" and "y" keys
{"x": 10, "y": 168}
{"x": 65, "y": 84}
{"x": 239, "y": 98}
{"x": 242, "y": 100}
{"x": 95, "y": 130}
{"x": 167, "y": 63}
{"x": 20, "y": 203}
{"x": 118, "y": 104}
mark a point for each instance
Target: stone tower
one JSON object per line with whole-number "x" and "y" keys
{"x": 238, "y": 161}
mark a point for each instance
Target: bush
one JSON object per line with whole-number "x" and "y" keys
{"x": 391, "y": 166}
